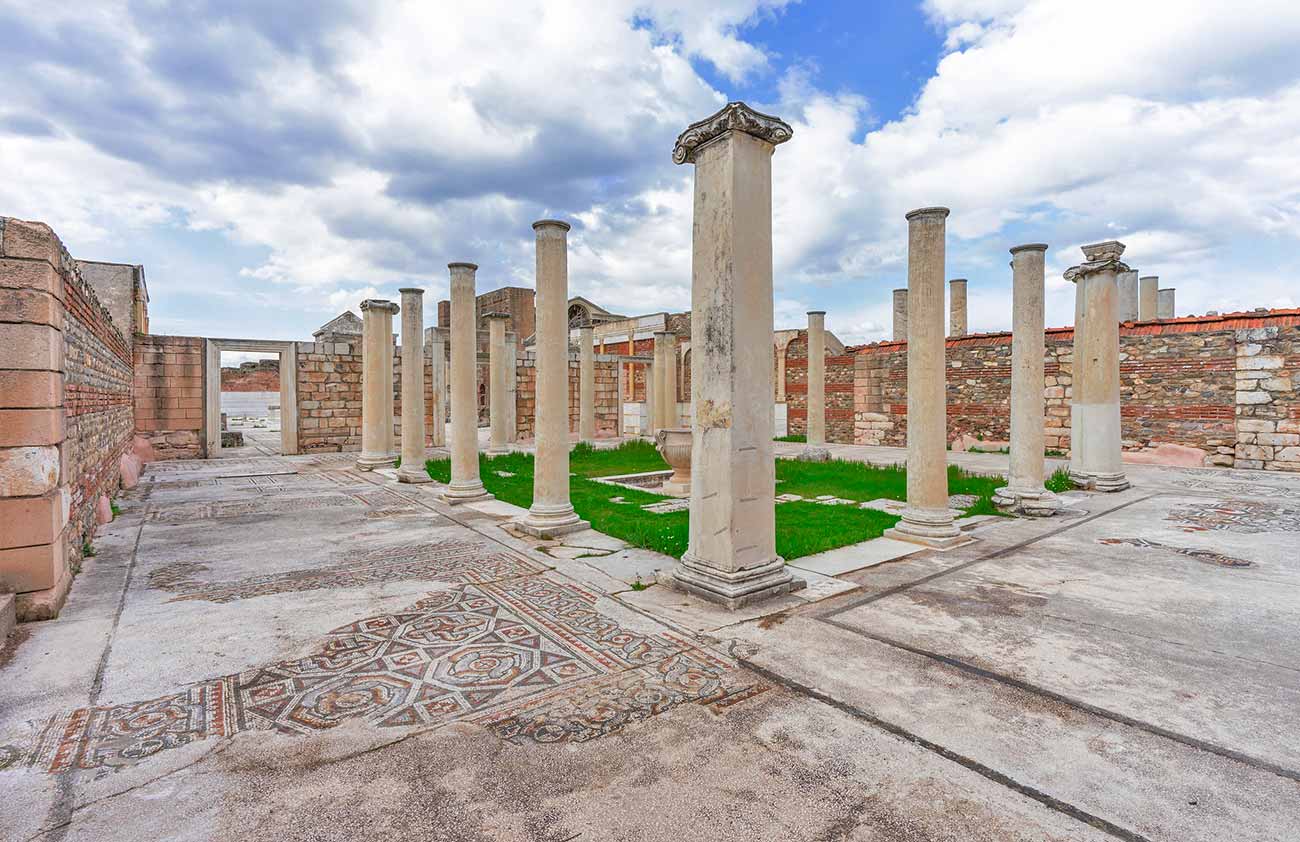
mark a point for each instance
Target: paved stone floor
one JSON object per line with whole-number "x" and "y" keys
{"x": 283, "y": 648}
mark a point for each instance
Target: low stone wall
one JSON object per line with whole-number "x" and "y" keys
{"x": 169, "y": 395}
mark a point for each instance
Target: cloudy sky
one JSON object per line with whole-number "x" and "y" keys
{"x": 272, "y": 163}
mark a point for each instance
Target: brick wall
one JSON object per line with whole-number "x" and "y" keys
{"x": 169, "y": 395}
{"x": 840, "y": 391}
{"x": 607, "y": 404}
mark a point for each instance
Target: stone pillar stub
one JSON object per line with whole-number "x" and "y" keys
{"x": 900, "y": 315}
{"x": 1148, "y": 298}
{"x": 376, "y": 385}
{"x": 957, "y": 307}
{"x": 731, "y": 555}
{"x": 586, "y": 385}
{"x": 498, "y": 387}
{"x": 1165, "y": 304}
{"x": 412, "y": 469}
{"x": 466, "y": 485}
{"x": 816, "y": 451}
{"x": 1128, "y": 295}
{"x": 552, "y": 513}
{"x": 927, "y": 519}
{"x": 1024, "y": 492}
{"x": 1095, "y": 435}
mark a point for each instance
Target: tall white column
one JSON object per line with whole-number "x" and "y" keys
{"x": 551, "y": 513}
{"x": 927, "y": 519}
{"x": 376, "y": 385}
{"x": 665, "y": 380}
{"x": 412, "y": 469}
{"x": 497, "y": 383}
{"x": 900, "y": 315}
{"x": 1095, "y": 439}
{"x": 1165, "y": 303}
{"x": 586, "y": 385}
{"x": 651, "y": 378}
{"x": 466, "y": 485}
{"x": 512, "y": 386}
{"x": 1024, "y": 492}
{"x": 1148, "y": 297}
{"x": 816, "y": 451}
{"x": 1128, "y": 295}
{"x": 731, "y": 555}
{"x": 436, "y": 339}
{"x": 957, "y": 307}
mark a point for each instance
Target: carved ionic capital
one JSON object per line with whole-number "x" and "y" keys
{"x": 734, "y": 116}
{"x": 1098, "y": 257}
{"x": 379, "y": 305}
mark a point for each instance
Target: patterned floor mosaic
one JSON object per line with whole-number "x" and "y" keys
{"x": 531, "y": 659}
{"x": 1207, "y": 556}
{"x": 379, "y": 502}
{"x": 1243, "y": 516}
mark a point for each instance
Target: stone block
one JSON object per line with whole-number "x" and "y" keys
{"x": 1262, "y": 362}
{"x": 1277, "y": 439}
{"x": 31, "y": 347}
{"x": 28, "y": 521}
{"x": 30, "y": 389}
{"x": 30, "y": 305}
{"x": 1287, "y": 454}
{"x": 1250, "y": 425}
{"x": 30, "y": 427}
{"x": 1277, "y": 384}
{"x": 32, "y": 241}
{"x": 25, "y": 274}
{"x": 1256, "y": 397}
{"x": 129, "y": 467}
{"x": 1256, "y": 452}
{"x": 28, "y": 471}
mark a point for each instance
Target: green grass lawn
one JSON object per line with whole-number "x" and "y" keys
{"x": 797, "y": 439}
{"x": 802, "y": 528}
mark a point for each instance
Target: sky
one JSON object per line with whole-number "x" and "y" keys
{"x": 272, "y": 164}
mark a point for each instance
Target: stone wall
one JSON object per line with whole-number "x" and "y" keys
{"x": 329, "y": 396}
{"x": 1267, "y": 403}
{"x": 840, "y": 388}
{"x": 168, "y": 395}
{"x": 608, "y": 405}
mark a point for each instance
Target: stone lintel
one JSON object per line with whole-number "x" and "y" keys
{"x": 734, "y": 116}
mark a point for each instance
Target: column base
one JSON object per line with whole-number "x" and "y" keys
{"x": 413, "y": 476}
{"x": 496, "y": 450}
{"x": 676, "y": 489}
{"x": 930, "y": 528}
{"x": 1031, "y": 502}
{"x": 551, "y": 521}
{"x": 465, "y": 492}
{"x": 731, "y": 589}
{"x": 814, "y": 454}
{"x": 1104, "y": 481}
{"x": 371, "y": 461}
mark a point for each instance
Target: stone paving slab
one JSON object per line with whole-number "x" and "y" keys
{"x": 856, "y": 556}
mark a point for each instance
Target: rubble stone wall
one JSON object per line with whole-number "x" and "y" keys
{"x": 840, "y": 391}
{"x": 1267, "y": 398}
{"x": 607, "y": 402}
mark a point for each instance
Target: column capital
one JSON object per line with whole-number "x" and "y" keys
{"x": 816, "y": 312}
{"x": 551, "y": 227}
{"x": 496, "y": 316}
{"x": 1155, "y": 278}
{"x": 927, "y": 213}
{"x": 379, "y": 305}
{"x": 1098, "y": 257}
{"x": 412, "y": 290}
{"x": 734, "y": 116}
{"x": 958, "y": 281}
{"x": 462, "y": 267}
{"x": 1029, "y": 247}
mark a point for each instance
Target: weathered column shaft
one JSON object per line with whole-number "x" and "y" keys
{"x": 551, "y": 512}
{"x": 816, "y": 434}
{"x": 731, "y": 556}
{"x": 1165, "y": 304}
{"x": 498, "y": 386}
{"x": 1024, "y": 492}
{"x": 376, "y": 384}
{"x": 927, "y": 519}
{"x": 586, "y": 385}
{"x": 437, "y": 342}
{"x": 1128, "y": 296}
{"x": 1148, "y": 298}
{"x": 665, "y": 369}
{"x": 900, "y": 315}
{"x": 412, "y": 469}
{"x": 466, "y": 485}
{"x": 957, "y": 307}
{"x": 1096, "y": 444}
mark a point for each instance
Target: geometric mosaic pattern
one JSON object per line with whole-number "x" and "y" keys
{"x": 531, "y": 659}
{"x": 1243, "y": 516}
{"x": 1258, "y": 489}
{"x": 378, "y": 500}
{"x": 1206, "y": 556}
{"x": 438, "y": 561}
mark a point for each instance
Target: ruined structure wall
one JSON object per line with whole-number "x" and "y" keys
{"x": 329, "y": 396}
{"x": 840, "y": 392}
{"x": 168, "y": 395}
{"x": 1267, "y": 411}
{"x": 608, "y": 405}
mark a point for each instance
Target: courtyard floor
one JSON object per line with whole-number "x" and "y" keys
{"x": 284, "y": 648}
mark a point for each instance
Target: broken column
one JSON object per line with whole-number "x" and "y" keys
{"x": 731, "y": 555}
{"x": 466, "y": 485}
{"x": 927, "y": 519}
{"x": 957, "y": 307}
{"x": 900, "y": 315}
{"x": 376, "y": 385}
{"x": 1128, "y": 295}
{"x": 551, "y": 513}
{"x": 586, "y": 385}
{"x": 1165, "y": 303}
{"x": 412, "y": 469}
{"x": 1095, "y": 444}
{"x": 1024, "y": 492}
{"x": 498, "y": 386}
{"x": 815, "y": 451}
{"x": 1148, "y": 298}
{"x": 665, "y": 377}
{"x": 436, "y": 339}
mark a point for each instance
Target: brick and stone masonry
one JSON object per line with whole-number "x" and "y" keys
{"x": 168, "y": 395}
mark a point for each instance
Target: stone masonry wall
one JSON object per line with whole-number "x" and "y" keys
{"x": 1267, "y": 408}
{"x": 607, "y": 403}
{"x": 840, "y": 385}
{"x": 329, "y": 396}
{"x": 168, "y": 395}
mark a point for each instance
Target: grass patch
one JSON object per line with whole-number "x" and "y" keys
{"x": 795, "y": 439}
{"x": 862, "y": 481}
{"x": 87, "y": 549}
{"x": 1059, "y": 481}
{"x": 116, "y": 511}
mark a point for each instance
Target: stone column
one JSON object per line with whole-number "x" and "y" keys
{"x": 551, "y": 513}
{"x": 412, "y": 469}
{"x": 512, "y": 386}
{"x": 586, "y": 385}
{"x": 1095, "y": 443}
{"x": 498, "y": 385}
{"x": 900, "y": 315}
{"x": 465, "y": 485}
{"x": 437, "y": 341}
{"x": 1165, "y": 304}
{"x": 731, "y": 555}
{"x": 780, "y": 348}
{"x": 376, "y": 385}
{"x": 816, "y": 451}
{"x": 1128, "y": 296}
{"x": 957, "y": 307}
{"x": 927, "y": 519}
{"x": 651, "y": 379}
{"x": 666, "y": 380}
{"x": 1148, "y": 298}
{"x": 1024, "y": 492}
